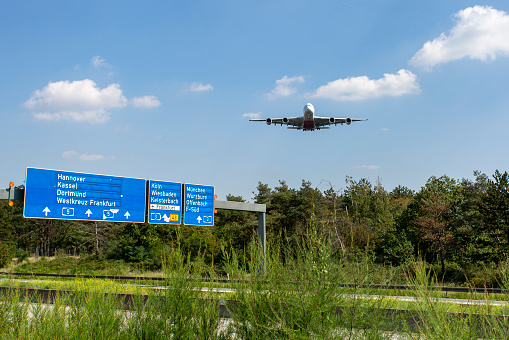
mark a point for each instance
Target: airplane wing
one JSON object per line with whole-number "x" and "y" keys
{"x": 294, "y": 122}
{"x": 322, "y": 121}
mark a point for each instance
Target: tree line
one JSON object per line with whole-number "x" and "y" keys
{"x": 454, "y": 224}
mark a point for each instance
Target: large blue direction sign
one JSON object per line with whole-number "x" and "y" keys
{"x": 59, "y": 194}
{"x": 198, "y": 204}
{"x": 164, "y": 202}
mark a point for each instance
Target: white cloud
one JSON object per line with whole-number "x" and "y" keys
{"x": 285, "y": 87}
{"x": 69, "y": 154}
{"x": 93, "y": 157}
{"x": 481, "y": 33}
{"x": 368, "y": 167}
{"x": 97, "y": 61}
{"x": 145, "y": 102}
{"x": 199, "y": 87}
{"x": 85, "y": 157}
{"x": 359, "y": 88}
{"x": 80, "y": 100}
{"x": 252, "y": 115}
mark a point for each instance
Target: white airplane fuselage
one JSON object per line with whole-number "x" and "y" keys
{"x": 309, "y": 117}
{"x": 308, "y": 121}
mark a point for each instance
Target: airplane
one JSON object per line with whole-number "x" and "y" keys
{"x": 308, "y": 122}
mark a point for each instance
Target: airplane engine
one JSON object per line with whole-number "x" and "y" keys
{"x": 331, "y": 120}
{"x": 348, "y": 121}
{"x": 285, "y": 120}
{"x": 269, "y": 121}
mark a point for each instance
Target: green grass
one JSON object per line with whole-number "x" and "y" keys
{"x": 89, "y": 265}
{"x": 287, "y": 296}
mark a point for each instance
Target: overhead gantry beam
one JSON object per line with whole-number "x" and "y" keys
{"x": 254, "y": 207}
{"x": 18, "y": 194}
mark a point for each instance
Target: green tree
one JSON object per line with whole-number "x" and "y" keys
{"x": 333, "y": 217}
{"x": 138, "y": 242}
{"x": 374, "y": 213}
{"x": 444, "y": 190}
{"x": 263, "y": 194}
{"x": 495, "y": 210}
{"x": 433, "y": 226}
{"x": 473, "y": 242}
{"x": 310, "y": 203}
{"x": 358, "y": 197}
{"x": 5, "y": 254}
{"x": 402, "y": 192}
{"x": 235, "y": 228}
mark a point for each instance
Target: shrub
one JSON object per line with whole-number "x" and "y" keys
{"x": 21, "y": 255}
{"x": 453, "y": 273}
{"x": 5, "y": 254}
{"x": 486, "y": 276}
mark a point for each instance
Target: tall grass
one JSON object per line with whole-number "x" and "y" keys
{"x": 287, "y": 293}
{"x": 296, "y": 296}
{"x": 435, "y": 320}
{"x": 178, "y": 312}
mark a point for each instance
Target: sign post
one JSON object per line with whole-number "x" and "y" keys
{"x": 198, "y": 204}
{"x": 164, "y": 202}
{"x": 56, "y": 194}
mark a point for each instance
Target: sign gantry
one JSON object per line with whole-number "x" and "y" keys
{"x": 198, "y": 204}
{"x": 57, "y": 194}
{"x": 164, "y": 202}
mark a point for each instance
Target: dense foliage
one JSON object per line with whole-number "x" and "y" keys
{"x": 459, "y": 226}
{"x": 291, "y": 295}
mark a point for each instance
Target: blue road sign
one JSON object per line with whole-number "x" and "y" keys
{"x": 56, "y": 194}
{"x": 164, "y": 202}
{"x": 198, "y": 204}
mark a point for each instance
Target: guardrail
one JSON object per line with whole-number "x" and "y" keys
{"x": 387, "y": 319}
{"x": 345, "y": 285}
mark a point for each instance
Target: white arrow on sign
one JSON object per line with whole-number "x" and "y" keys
{"x": 199, "y": 219}
{"x": 88, "y": 213}
{"x": 46, "y": 211}
{"x": 127, "y": 215}
{"x": 166, "y": 218}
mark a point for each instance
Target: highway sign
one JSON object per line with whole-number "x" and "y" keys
{"x": 164, "y": 202}
{"x": 198, "y": 204}
{"x": 56, "y": 194}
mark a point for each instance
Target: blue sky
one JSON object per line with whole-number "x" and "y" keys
{"x": 164, "y": 90}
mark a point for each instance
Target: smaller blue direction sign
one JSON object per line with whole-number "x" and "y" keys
{"x": 198, "y": 204}
{"x": 164, "y": 202}
{"x": 57, "y": 194}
